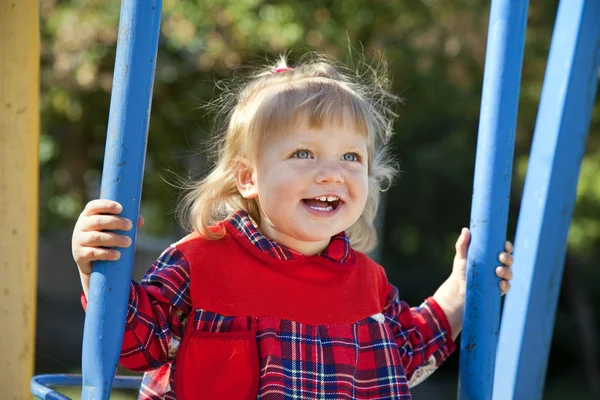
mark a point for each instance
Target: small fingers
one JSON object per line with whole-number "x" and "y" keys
{"x": 504, "y": 286}
{"x": 462, "y": 243}
{"x": 504, "y": 273}
{"x": 103, "y": 239}
{"x": 90, "y": 254}
{"x": 508, "y": 247}
{"x": 102, "y": 206}
{"x": 105, "y": 223}
{"x": 506, "y": 259}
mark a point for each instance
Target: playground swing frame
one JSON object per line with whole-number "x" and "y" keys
{"x": 567, "y": 98}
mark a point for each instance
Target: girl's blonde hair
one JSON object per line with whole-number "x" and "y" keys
{"x": 273, "y": 101}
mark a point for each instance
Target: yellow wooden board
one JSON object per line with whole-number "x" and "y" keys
{"x": 19, "y": 137}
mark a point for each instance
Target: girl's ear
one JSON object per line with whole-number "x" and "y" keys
{"x": 245, "y": 179}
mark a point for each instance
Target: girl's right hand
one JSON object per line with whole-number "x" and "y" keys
{"x": 92, "y": 237}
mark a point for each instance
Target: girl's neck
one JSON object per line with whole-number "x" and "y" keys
{"x": 303, "y": 247}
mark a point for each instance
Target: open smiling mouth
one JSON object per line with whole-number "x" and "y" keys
{"x": 323, "y": 203}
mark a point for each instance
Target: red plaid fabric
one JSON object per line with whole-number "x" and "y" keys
{"x": 374, "y": 358}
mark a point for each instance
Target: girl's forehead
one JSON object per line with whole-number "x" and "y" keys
{"x": 303, "y": 127}
{"x": 326, "y": 134}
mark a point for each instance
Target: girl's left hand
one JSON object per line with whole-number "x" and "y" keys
{"x": 503, "y": 271}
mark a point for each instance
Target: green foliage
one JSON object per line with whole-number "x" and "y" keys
{"x": 435, "y": 52}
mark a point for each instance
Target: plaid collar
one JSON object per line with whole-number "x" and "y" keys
{"x": 338, "y": 250}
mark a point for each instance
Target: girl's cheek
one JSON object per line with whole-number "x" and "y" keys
{"x": 361, "y": 175}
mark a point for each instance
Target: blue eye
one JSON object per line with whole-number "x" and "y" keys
{"x": 351, "y": 157}
{"x": 301, "y": 154}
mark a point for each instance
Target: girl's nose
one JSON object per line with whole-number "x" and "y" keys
{"x": 329, "y": 172}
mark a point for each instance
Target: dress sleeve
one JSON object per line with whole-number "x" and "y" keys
{"x": 158, "y": 309}
{"x": 422, "y": 333}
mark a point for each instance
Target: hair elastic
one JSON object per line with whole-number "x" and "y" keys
{"x": 281, "y": 69}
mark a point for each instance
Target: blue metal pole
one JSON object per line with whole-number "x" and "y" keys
{"x": 491, "y": 190}
{"x": 41, "y": 384}
{"x": 121, "y": 181}
{"x": 558, "y": 146}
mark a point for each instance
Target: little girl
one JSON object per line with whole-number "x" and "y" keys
{"x": 272, "y": 296}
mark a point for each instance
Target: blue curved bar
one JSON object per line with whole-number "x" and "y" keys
{"x": 491, "y": 190}
{"x": 121, "y": 181}
{"x": 41, "y": 384}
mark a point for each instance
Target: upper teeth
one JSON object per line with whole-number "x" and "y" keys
{"x": 327, "y": 198}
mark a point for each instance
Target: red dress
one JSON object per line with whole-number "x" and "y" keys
{"x": 265, "y": 322}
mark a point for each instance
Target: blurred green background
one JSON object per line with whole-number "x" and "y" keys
{"x": 436, "y": 52}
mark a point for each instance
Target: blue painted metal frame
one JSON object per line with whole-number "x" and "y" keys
{"x": 491, "y": 190}
{"x": 122, "y": 177}
{"x": 41, "y": 384}
{"x": 558, "y": 146}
